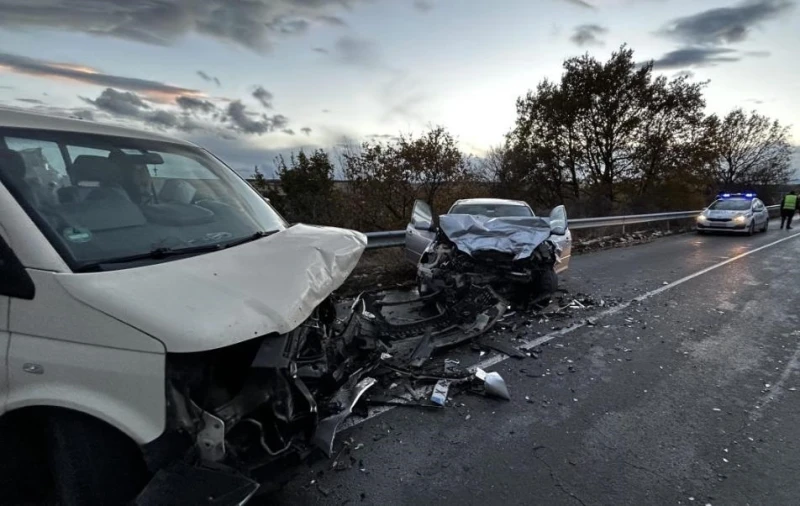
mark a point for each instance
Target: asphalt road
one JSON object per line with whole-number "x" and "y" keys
{"x": 689, "y": 396}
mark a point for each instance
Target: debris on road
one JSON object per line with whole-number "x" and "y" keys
{"x": 439, "y": 395}
{"x": 495, "y": 385}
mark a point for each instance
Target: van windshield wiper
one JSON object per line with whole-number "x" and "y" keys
{"x": 250, "y": 238}
{"x": 162, "y": 252}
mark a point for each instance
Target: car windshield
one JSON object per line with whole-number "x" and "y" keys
{"x": 103, "y": 202}
{"x": 731, "y": 205}
{"x": 492, "y": 210}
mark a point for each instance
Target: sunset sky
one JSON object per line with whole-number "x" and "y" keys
{"x": 250, "y": 79}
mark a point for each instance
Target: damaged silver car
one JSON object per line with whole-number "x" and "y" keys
{"x": 495, "y": 242}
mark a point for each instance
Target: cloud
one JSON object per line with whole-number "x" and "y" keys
{"x": 423, "y": 5}
{"x": 404, "y": 99}
{"x": 357, "y": 52}
{"x": 306, "y": 131}
{"x": 242, "y": 121}
{"x": 186, "y": 114}
{"x": 331, "y": 20}
{"x": 208, "y": 78}
{"x": 725, "y": 25}
{"x": 120, "y": 103}
{"x": 588, "y": 35}
{"x": 253, "y": 24}
{"x": 288, "y": 26}
{"x": 56, "y": 70}
{"x": 288, "y": 131}
{"x": 696, "y": 57}
{"x": 195, "y": 104}
{"x": 581, "y": 3}
{"x": 263, "y": 96}
{"x": 321, "y": 50}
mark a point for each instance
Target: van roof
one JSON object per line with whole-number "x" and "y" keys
{"x": 16, "y": 118}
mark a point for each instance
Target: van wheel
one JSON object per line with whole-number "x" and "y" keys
{"x": 91, "y": 462}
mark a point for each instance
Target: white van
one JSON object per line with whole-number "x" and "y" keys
{"x": 151, "y": 304}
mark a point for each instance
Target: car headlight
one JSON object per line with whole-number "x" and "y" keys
{"x": 701, "y": 218}
{"x": 740, "y": 219}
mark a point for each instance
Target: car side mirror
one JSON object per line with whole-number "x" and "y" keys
{"x": 558, "y": 221}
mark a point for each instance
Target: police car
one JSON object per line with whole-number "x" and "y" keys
{"x": 734, "y": 212}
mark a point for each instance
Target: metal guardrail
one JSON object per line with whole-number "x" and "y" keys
{"x": 396, "y": 238}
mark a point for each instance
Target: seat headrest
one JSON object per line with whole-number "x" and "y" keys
{"x": 98, "y": 169}
{"x": 12, "y": 163}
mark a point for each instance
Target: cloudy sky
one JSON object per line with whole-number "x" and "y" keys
{"x": 252, "y": 78}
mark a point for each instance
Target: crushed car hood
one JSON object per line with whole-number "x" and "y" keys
{"x": 218, "y": 299}
{"x": 518, "y": 236}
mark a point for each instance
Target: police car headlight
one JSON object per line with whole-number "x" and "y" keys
{"x": 740, "y": 219}
{"x": 702, "y": 218}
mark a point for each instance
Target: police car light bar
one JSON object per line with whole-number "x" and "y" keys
{"x": 749, "y": 195}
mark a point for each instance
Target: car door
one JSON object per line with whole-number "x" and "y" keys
{"x": 419, "y": 232}
{"x": 758, "y": 213}
{"x": 764, "y": 211}
{"x": 562, "y": 236}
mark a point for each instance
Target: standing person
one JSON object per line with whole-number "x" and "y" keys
{"x": 788, "y": 208}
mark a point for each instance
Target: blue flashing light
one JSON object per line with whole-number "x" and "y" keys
{"x": 747, "y": 195}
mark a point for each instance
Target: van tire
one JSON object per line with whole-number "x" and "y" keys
{"x": 91, "y": 462}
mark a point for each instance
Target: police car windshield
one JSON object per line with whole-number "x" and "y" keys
{"x": 731, "y": 205}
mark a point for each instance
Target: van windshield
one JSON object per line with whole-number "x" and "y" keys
{"x": 113, "y": 202}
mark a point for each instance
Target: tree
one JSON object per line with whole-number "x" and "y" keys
{"x": 307, "y": 188}
{"x": 259, "y": 181}
{"x": 750, "y": 149}
{"x": 432, "y": 161}
{"x": 611, "y": 135}
{"x": 386, "y": 178}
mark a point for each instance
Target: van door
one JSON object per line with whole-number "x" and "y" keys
{"x": 14, "y": 282}
{"x": 4, "y": 337}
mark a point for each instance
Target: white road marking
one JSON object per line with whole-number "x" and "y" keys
{"x": 533, "y": 343}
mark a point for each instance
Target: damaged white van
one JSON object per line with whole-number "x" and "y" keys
{"x": 164, "y": 334}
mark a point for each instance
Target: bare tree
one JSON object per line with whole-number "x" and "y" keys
{"x": 750, "y": 149}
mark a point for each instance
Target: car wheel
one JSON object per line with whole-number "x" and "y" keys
{"x": 752, "y": 228}
{"x": 91, "y": 462}
{"x": 548, "y": 283}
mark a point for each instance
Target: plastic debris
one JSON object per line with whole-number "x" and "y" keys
{"x": 439, "y": 395}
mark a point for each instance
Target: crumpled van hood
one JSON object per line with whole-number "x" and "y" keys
{"x": 518, "y": 236}
{"x": 218, "y": 299}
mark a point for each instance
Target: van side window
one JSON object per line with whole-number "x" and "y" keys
{"x": 14, "y": 279}
{"x": 45, "y": 168}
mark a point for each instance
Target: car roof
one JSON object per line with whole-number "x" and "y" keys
{"x": 16, "y": 118}
{"x": 491, "y": 201}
